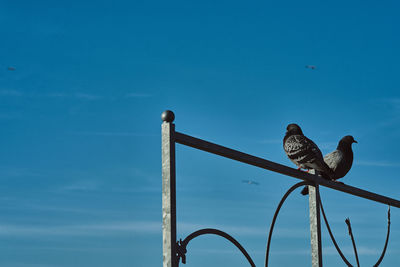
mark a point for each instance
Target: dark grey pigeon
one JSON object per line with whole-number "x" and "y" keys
{"x": 340, "y": 160}
{"x": 303, "y": 152}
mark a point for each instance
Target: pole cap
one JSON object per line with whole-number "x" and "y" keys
{"x": 168, "y": 116}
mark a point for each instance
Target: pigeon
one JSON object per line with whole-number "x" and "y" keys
{"x": 311, "y": 67}
{"x": 303, "y": 152}
{"x": 339, "y": 160}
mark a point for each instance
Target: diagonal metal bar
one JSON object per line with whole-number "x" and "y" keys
{"x": 282, "y": 169}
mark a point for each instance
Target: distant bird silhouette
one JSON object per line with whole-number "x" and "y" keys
{"x": 311, "y": 67}
{"x": 339, "y": 160}
{"x": 303, "y": 152}
{"x": 11, "y": 68}
{"x": 250, "y": 182}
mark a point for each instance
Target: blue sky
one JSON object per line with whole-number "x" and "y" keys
{"x": 80, "y": 161}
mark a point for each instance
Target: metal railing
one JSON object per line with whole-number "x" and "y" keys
{"x": 173, "y": 251}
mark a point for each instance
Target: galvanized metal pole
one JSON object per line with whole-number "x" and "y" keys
{"x": 315, "y": 226}
{"x": 168, "y": 190}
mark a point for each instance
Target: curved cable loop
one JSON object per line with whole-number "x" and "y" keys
{"x": 330, "y": 233}
{"x": 337, "y": 247}
{"x": 386, "y": 242}
{"x": 181, "y": 245}
{"x": 271, "y": 229}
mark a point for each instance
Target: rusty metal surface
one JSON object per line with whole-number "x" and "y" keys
{"x": 168, "y": 195}
{"x": 272, "y": 166}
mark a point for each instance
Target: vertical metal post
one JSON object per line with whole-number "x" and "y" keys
{"x": 168, "y": 190}
{"x": 315, "y": 226}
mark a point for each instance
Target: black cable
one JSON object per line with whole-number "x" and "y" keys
{"x": 330, "y": 233}
{"x": 271, "y": 229}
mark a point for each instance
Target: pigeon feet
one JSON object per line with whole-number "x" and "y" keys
{"x": 300, "y": 169}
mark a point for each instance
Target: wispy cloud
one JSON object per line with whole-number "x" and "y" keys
{"x": 138, "y": 95}
{"x": 394, "y": 102}
{"x": 77, "y": 95}
{"x": 10, "y": 115}
{"x": 361, "y": 250}
{"x": 87, "y": 96}
{"x": 327, "y": 145}
{"x": 279, "y": 232}
{"x": 115, "y": 134}
{"x": 60, "y": 95}
{"x": 110, "y": 228}
{"x": 55, "y": 208}
{"x": 237, "y": 230}
{"x": 10, "y": 92}
{"x": 28, "y": 265}
{"x": 20, "y": 172}
{"x": 234, "y": 251}
{"x": 271, "y": 141}
{"x": 377, "y": 163}
{"x": 291, "y": 252}
{"x": 392, "y": 106}
{"x": 85, "y": 185}
{"x": 56, "y": 95}
{"x": 138, "y": 189}
{"x": 147, "y": 227}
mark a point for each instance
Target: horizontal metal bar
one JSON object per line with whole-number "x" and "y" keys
{"x": 276, "y": 167}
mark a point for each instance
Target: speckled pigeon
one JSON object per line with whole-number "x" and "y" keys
{"x": 339, "y": 160}
{"x": 303, "y": 152}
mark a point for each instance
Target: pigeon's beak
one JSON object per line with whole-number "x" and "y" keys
{"x": 354, "y": 141}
